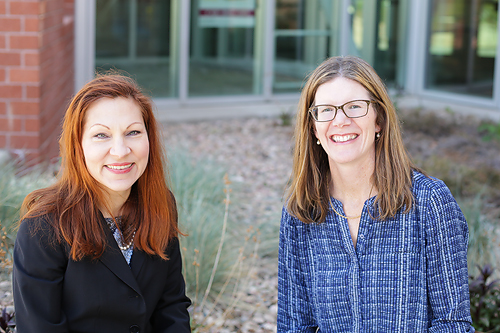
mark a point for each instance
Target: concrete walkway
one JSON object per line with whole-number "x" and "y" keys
{"x": 216, "y": 109}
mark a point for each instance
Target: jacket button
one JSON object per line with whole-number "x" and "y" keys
{"x": 134, "y": 329}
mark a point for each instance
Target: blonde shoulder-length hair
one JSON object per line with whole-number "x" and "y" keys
{"x": 308, "y": 193}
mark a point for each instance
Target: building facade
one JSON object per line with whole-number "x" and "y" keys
{"x": 36, "y": 76}
{"x": 199, "y": 57}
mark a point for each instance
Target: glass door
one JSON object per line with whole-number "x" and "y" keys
{"x": 305, "y": 32}
{"x": 224, "y": 55}
{"x": 375, "y": 35}
{"x": 137, "y": 36}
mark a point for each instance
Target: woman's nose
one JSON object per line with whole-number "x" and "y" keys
{"x": 119, "y": 148}
{"x": 340, "y": 119}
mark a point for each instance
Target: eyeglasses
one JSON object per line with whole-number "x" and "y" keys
{"x": 352, "y": 109}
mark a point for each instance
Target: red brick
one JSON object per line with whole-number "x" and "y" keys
{"x": 10, "y": 24}
{"x": 2, "y": 42}
{"x": 53, "y": 6}
{"x": 14, "y": 125}
{"x": 24, "y": 42}
{"x": 53, "y": 19}
{"x": 31, "y": 59}
{"x": 2, "y": 75}
{"x": 25, "y": 108}
{"x": 4, "y": 124}
{"x": 11, "y": 91}
{"x": 43, "y": 8}
{"x": 52, "y": 38}
{"x": 10, "y": 59}
{"x": 3, "y": 108}
{"x": 32, "y": 91}
{"x": 51, "y": 120}
{"x": 31, "y": 24}
{"x": 24, "y": 75}
{"x": 24, "y": 8}
{"x": 2, "y": 7}
{"x": 24, "y": 141}
{"x": 32, "y": 125}
{"x": 3, "y": 141}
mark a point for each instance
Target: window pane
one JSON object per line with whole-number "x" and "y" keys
{"x": 112, "y": 28}
{"x": 303, "y": 39}
{"x": 222, "y": 48}
{"x": 462, "y": 46}
{"x": 134, "y": 36}
{"x": 375, "y": 35}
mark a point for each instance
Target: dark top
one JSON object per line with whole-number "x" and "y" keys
{"x": 53, "y": 293}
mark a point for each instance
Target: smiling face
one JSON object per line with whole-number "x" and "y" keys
{"x": 115, "y": 144}
{"x": 346, "y": 140}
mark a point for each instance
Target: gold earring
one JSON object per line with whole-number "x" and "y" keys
{"x": 317, "y": 142}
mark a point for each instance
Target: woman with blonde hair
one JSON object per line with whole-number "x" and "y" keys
{"x": 368, "y": 242}
{"x": 98, "y": 250}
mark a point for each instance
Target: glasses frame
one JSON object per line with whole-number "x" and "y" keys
{"x": 368, "y": 102}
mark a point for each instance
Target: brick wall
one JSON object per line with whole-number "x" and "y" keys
{"x": 36, "y": 75}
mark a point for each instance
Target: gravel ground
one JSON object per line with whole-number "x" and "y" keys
{"x": 257, "y": 155}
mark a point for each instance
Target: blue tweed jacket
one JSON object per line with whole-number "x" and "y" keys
{"x": 406, "y": 274}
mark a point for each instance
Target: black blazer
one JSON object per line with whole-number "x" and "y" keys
{"x": 53, "y": 293}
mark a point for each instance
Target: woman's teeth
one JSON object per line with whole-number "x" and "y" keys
{"x": 119, "y": 167}
{"x": 344, "y": 138}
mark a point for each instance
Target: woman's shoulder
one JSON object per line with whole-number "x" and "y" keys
{"x": 424, "y": 184}
{"x": 42, "y": 225}
{"x": 287, "y": 217}
{"x": 292, "y": 222}
{"x": 433, "y": 192}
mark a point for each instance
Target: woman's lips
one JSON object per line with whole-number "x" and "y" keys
{"x": 119, "y": 167}
{"x": 343, "y": 138}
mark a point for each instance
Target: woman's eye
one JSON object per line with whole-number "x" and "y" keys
{"x": 132, "y": 133}
{"x": 100, "y": 136}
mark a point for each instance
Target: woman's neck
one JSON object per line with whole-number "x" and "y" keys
{"x": 115, "y": 204}
{"x": 352, "y": 183}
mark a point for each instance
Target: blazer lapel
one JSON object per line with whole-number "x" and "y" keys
{"x": 113, "y": 259}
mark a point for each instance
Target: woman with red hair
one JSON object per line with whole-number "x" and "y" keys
{"x": 98, "y": 250}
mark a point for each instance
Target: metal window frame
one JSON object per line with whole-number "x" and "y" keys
{"x": 416, "y": 67}
{"x": 413, "y": 53}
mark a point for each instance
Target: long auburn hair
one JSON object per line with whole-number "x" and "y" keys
{"x": 308, "y": 192}
{"x": 73, "y": 201}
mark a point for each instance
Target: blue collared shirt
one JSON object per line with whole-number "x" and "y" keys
{"x": 406, "y": 274}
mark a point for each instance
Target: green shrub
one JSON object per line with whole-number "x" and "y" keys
{"x": 216, "y": 249}
{"x": 13, "y": 188}
{"x": 427, "y": 122}
{"x": 480, "y": 250}
{"x": 485, "y": 300}
{"x": 462, "y": 179}
{"x": 199, "y": 191}
{"x": 489, "y": 130}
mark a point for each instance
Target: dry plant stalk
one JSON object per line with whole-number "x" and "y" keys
{"x": 235, "y": 273}
{"x": 227, "y": 190}
{"x": 197, "y": 276}
{"x": 5, "y": 261}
